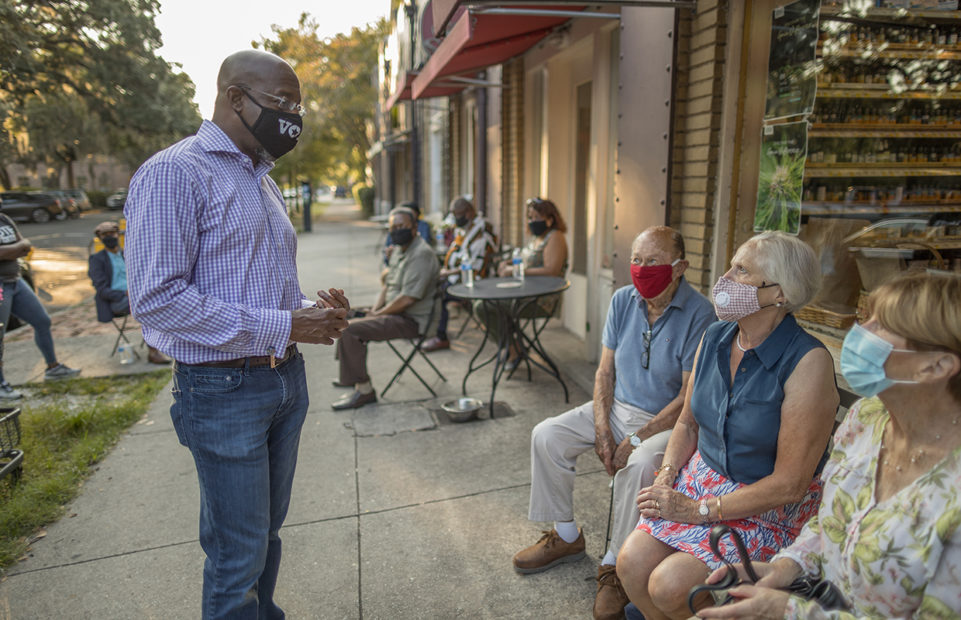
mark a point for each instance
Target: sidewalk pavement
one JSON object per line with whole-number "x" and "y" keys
{"x": 396, "y": 512}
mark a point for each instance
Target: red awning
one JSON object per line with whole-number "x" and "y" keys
{"x": 403, "y": 93}
{"x": 477, "y": 40}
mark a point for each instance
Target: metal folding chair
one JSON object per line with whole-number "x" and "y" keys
{"x": 416, "y": 344}
{"x": 121, "y": 328}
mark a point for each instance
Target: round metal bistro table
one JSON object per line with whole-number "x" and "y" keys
{"x": 506, "y": 299}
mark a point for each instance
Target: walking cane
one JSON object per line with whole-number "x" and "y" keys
{"x": 610, "y": 513}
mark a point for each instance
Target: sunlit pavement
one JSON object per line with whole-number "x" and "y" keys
{"x": 396, "y": 512}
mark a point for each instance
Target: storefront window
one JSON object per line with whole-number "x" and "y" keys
{"x": 882, "y": 180}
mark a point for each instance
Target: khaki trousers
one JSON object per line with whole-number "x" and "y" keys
{"x": 352, "y": 345}
{"x": 557, "y": 442}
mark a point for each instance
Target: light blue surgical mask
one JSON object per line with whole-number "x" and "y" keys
{"x": 862, "y": 362}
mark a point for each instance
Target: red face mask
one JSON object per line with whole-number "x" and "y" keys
{"x": 651, "y": 280}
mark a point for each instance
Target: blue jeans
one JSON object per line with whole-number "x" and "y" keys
{"x": 18, "y": 299}
{"x": 242, "y": 426}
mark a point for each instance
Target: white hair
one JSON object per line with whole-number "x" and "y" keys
{"x": 789, "y": 262}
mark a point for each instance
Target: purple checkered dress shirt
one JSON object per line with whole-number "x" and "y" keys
{"x": 211, "y": 254}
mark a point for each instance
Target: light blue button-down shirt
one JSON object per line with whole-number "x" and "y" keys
{"x": 674, "y": 339}
{"x": 211, "y": 254}
{"x": 118, "y": 271}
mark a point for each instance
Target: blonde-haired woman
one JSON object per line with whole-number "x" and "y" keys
{"x": 751, "y": 436}
{"x": 887, "y": 531}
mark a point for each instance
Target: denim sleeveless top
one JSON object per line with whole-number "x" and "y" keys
{"x": 739, "y": 421}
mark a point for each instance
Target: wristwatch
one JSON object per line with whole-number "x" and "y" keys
{"x": 703, "y": 510}
{"x": 635, "y": 440}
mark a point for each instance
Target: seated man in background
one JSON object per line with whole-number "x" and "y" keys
{"x": 651, "y": 335}
{"x": 423, "y": 229}
{"x": 402, "y": 309}
{"x": 108, "y": 272}
{"x": 476, "y": 245}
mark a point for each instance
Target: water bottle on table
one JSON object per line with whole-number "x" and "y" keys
{"x": 517, "y": 261}
{"x": 467, "y": 274}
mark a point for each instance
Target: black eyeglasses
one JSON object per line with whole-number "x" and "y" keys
{"x": 646, "y": 356}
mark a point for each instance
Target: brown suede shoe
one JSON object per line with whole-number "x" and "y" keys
{"x": 547, "y": 552}
{"x": 610, "y": 599}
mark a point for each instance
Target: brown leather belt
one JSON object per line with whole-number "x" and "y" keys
{"x": 253, "y": 361}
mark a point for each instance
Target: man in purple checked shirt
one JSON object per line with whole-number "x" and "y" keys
{"x": 212, "y": 278}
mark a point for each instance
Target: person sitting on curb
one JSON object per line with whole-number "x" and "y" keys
{"x": 476, "y": 245}
{"x": 16, "y": 297}
{"x": 650, "y": 338}
{"x": 401, "y": 311}
{"x": 108, "y": 272}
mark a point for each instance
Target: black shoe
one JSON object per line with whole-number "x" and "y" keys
{"x": 353, "y": 400}
{"x": 339, "y": 384}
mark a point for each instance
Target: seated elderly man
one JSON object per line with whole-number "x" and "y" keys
{"x": 651, "y": 335}
{"x": 108, "y": 273}
{"x": 474, "y": 245}
{"x": 401, "y": 311}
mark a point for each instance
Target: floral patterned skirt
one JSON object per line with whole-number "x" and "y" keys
{"x": 763, "y": 535}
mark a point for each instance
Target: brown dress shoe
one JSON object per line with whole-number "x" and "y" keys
{"x": 353, "y": 400}
{"x": 547, "y": 552}
{"x": 435, "y": 344}
{"x": 610, "y": 599}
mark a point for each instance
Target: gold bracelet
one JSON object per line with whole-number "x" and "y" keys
{"x": 719, "y": 517}
{"x": 663, "y": 467}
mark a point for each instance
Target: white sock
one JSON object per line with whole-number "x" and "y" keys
{"x": 609, "y": 558}
{"x": 567, "y": 530}
{"x": 364, "y": 388}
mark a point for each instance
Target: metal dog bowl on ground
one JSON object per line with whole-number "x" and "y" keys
{"x": 462, "y": 409}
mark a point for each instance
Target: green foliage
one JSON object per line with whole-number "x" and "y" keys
{"x": 337, "y": 86}
{"x": 80, "y": 78}
{"x": 97, "y": 198}
{"x": 364, "y": 195}
{"x": 60, "y": 444}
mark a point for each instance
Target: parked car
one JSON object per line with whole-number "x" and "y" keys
{"x": 340, "y": 192}
{"x": 37, "y": 207}
{"x": 117, "y": 199}
{"x": 69, "y": 203}
{"x": 83, "y": 201}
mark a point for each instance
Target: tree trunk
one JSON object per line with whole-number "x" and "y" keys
{"x": 71, "y": 184}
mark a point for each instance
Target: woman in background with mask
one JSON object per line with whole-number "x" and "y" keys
{"x": 544, "y": 255}
{"x": 751, "y": 437}
{"x": 887, "y": 532}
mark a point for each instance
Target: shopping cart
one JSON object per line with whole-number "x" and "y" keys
{"x": 11, "y": 459}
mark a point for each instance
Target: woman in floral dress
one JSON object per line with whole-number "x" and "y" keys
{"x": 887, "y": 530}
{"x": 749, "y": 442}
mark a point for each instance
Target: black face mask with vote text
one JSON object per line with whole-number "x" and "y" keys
{"x": 276, "y": 131}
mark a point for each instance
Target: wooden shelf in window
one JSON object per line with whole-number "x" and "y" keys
{"x": 862, "y": 207}
{"x": 898, "y": 14}
{"x": 913, "y": 51}
{"x": 927, "y": 169}
{"x": 884, "y": 130}
{"x": 854, "y": 90}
